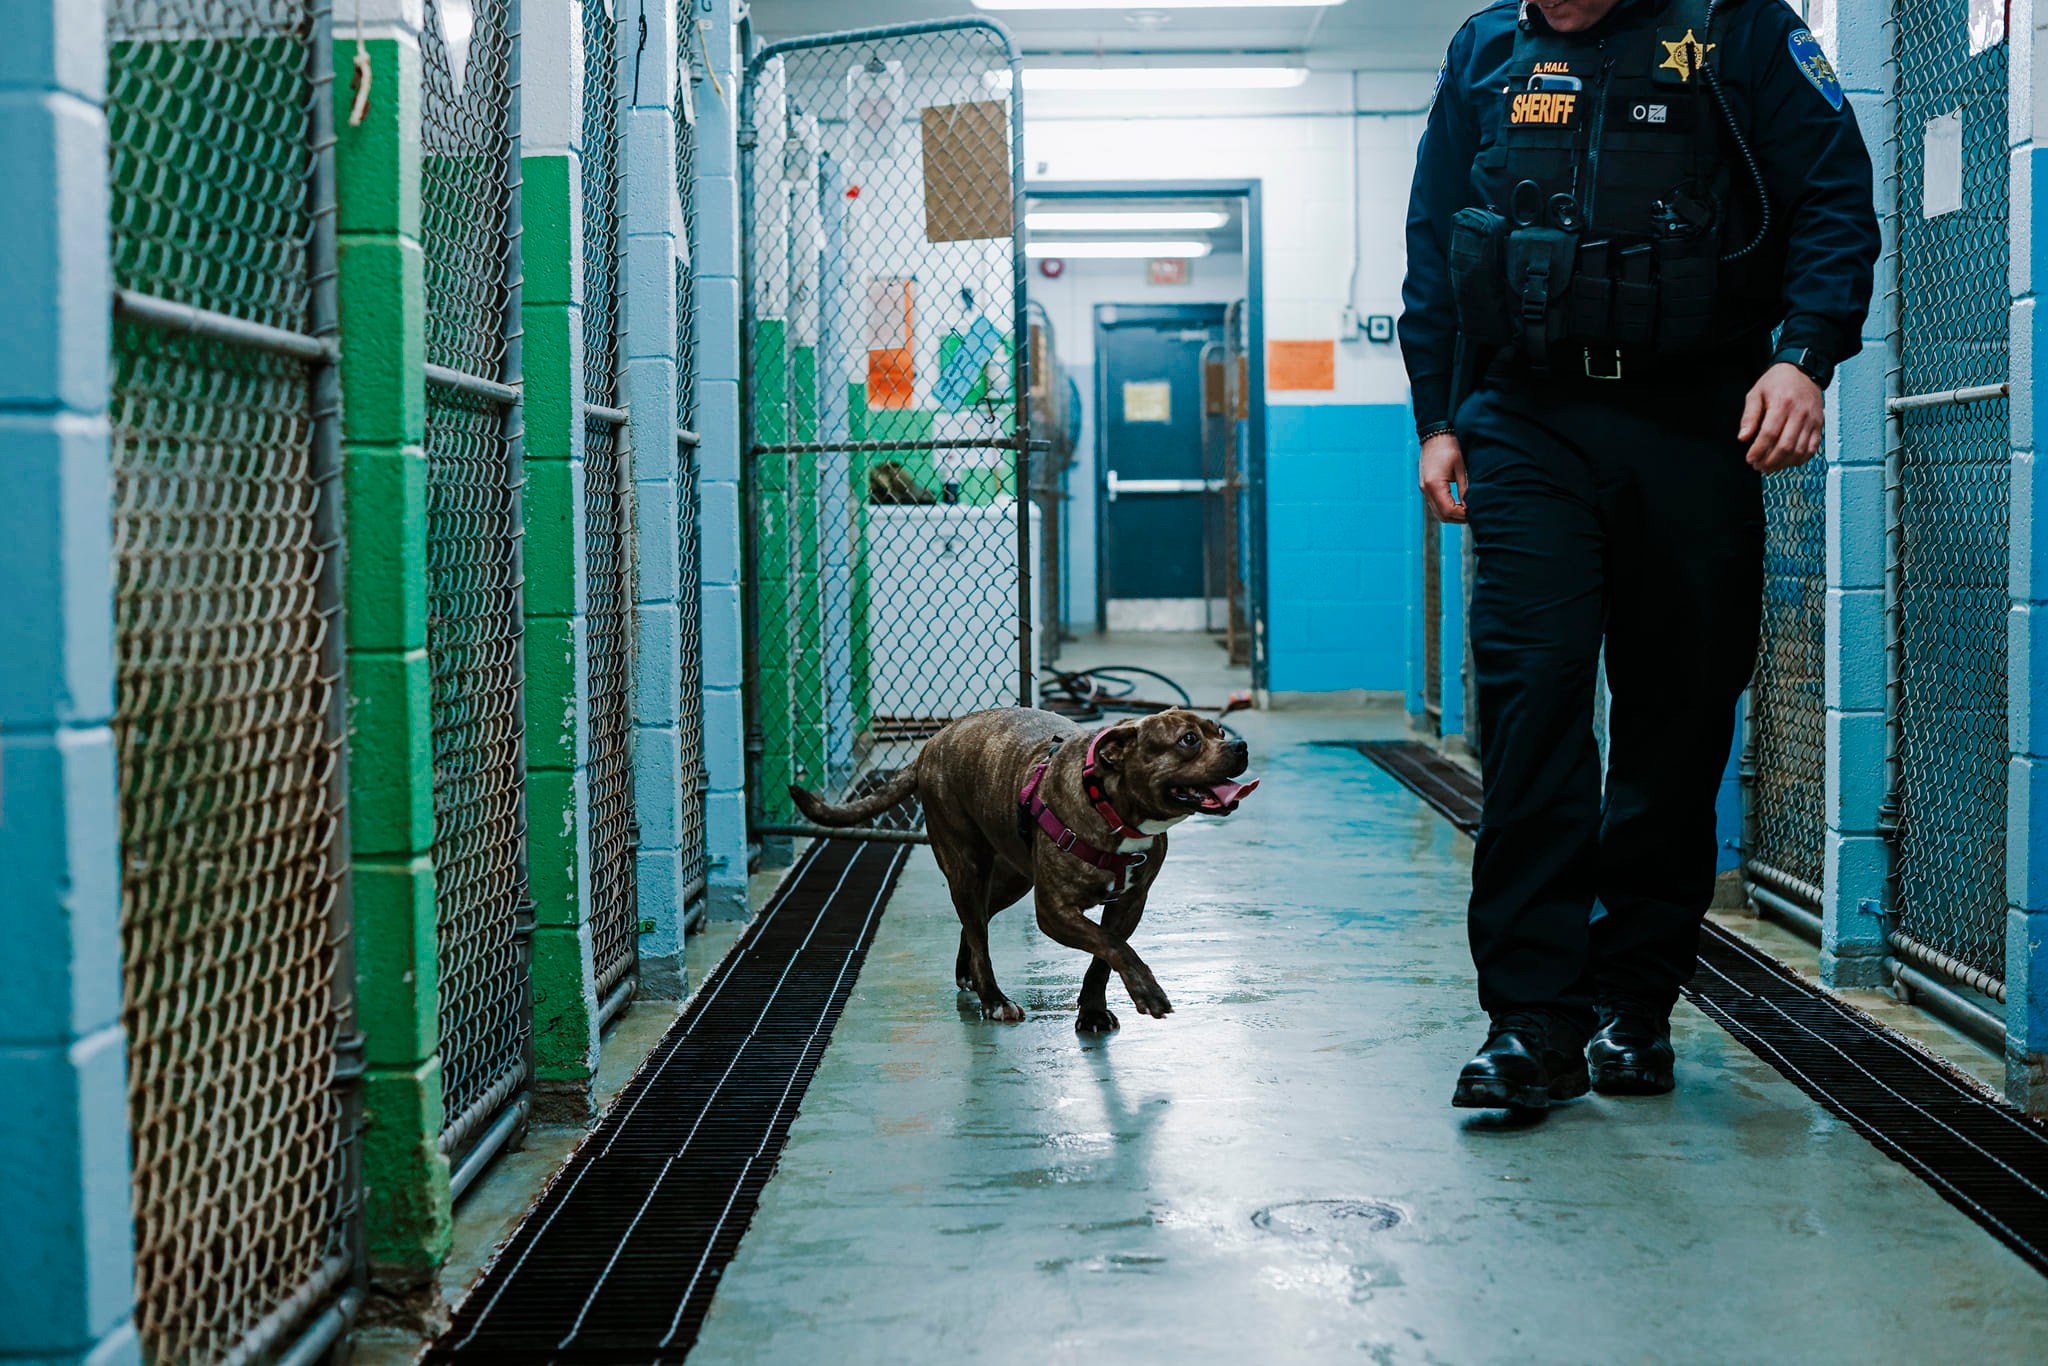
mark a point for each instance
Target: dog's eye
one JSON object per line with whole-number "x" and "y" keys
{"x": 1190, "y": 740}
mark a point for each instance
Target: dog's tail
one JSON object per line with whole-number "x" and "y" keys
{"x": 862, "y": 809}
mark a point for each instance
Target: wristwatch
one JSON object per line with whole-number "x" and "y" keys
{"x": 1816, "y": 367}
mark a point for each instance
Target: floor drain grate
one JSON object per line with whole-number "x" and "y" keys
{"x": 618, "y": 1261}
{"x": 1981, "y": 1156}
{"x": 1330, "y": 1218}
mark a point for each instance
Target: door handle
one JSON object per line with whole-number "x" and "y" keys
{"x": 1119, "y": 486}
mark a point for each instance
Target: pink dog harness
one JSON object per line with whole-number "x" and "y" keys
{"x": 1036, "y": 811}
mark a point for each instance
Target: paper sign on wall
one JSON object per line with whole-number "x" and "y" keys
{"x": 1987, "y": 24}
{"x": 1301, "y": 365}
{"x": 1941, "y": 190}
{"x": 1149, "y": 400}
{"x": 967, "y": 171}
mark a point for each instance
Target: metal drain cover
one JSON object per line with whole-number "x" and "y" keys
{"x": 1330, "y": 1218}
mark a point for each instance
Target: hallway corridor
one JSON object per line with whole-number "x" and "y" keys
{"x": 964, "y": 1191}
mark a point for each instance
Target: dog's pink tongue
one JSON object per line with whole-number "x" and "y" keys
{"x": 1226, "y": 796}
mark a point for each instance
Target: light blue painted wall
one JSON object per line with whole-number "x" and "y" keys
{"x": 66, "y": 1262}
{"x": 2026, "y": 941}
{"x": 1340, "y": 528}
{"x": 1857, "y": 857}
{"x": 654, "y": 252}
{"x": 716, "y": 262}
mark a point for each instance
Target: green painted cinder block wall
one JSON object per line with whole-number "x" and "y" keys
{"x": 382, "y": 293}
{"x": 565, "y": 1041}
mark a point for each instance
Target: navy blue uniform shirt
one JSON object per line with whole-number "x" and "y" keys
{"x": 1813, "y": 273}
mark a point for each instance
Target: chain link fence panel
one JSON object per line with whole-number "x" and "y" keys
{"x": 1237, "y": 524}
{"x": 1787, "y": 705}
{"x": 886, "y": 420}
{"x": 693, "y": 773}
{"x": 611, "y": 627}
{"x": 474, "y": 610}
{"x": 237, "y": 984}
{"x": 1952, "y": 483}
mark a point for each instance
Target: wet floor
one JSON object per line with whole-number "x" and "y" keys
{"x": 1273, "y": 1173}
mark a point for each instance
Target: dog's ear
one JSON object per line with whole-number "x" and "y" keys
{"x": 1109, "y": 750}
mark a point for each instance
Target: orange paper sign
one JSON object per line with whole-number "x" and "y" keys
{"x": 1301, "y": 365}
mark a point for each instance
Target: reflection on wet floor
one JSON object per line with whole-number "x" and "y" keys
{"x": 961, "y": 1189}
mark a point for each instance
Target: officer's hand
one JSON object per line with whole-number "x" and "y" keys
{"x": 1785, "y": 416}
{"x": 1443, "y": 464}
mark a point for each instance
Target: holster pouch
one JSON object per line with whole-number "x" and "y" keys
{"x": 1687, "y": 268}
{"x": 1477, "y": 279}
{"x": 1593, "y": 291}
{"x": 1539, "y": 276}
{"x": 1635, "y": 297}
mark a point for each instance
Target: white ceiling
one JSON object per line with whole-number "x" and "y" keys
{"x": 1365, "y": 35}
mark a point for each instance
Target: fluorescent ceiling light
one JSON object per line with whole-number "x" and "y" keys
{"x": 1153, "y": 4}
{"x": 1148, "y": 220}
{"x": 1152, "y": 78}
{"x": 1081, "y": 250}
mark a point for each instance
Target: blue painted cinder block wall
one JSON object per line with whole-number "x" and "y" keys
{"x": 1340, "y": 514}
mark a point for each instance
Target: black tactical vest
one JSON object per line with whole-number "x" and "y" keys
{"x": 1604, "y": 194}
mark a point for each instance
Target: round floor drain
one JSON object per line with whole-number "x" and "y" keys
{"x": 1330, "y": 1218}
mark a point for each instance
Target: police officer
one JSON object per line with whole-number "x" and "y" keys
{"x": 1640, "y": 241}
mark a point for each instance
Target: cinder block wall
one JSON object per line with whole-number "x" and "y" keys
{"x": 66, "y": 1295}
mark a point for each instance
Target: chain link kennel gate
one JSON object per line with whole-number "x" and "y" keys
{"x": 475, "y": 620}
{"x": 1786, "y": 770}
{"x": 692, "y": 771}
{"x": 608, "y": 516}
{"x": 888, "y": 435}
{"x": 238, "y": 974}
{"x": 1949, "y": 480}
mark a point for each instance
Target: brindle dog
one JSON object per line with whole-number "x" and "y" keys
{"x": 1156, "y": 771}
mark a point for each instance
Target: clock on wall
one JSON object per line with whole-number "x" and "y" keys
{"x": 1052, "y": 267}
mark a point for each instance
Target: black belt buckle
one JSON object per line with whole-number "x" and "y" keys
{"x": 1603, "y": 362}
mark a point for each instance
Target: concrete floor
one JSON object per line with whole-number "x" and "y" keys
{"x": 968, "y": 1191}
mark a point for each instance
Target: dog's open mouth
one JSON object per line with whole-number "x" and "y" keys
{"x": 1218, "y": 799}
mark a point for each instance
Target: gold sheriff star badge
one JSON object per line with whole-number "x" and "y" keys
{"x": 1687, "y": 55}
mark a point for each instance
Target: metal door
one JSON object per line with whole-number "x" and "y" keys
{"x": 884, "y": 364}
{"x": 1149, "y": 379}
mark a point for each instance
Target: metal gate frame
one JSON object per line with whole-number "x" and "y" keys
{"x": 692, "y": 771}
{"x": 1784, "y": 759}
{"x": 305, "y": 1323}
{"x": 1019, "y": 443}
{"x": 1953, "y": 395}
{"x": 472, "y": 1136}
{"x": 611, "y": 544}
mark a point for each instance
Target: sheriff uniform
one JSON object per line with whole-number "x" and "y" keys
{"x": 1613, "y": 234}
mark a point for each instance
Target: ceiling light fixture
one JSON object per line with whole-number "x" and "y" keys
{"x": 1041, "y": 249}
{"x": 1145, "y": 220}
{"x": 1103, "y": 78}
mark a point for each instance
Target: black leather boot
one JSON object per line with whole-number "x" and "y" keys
{"x": 1631, "y": 1055}
{"x": 1524, "y": 1066}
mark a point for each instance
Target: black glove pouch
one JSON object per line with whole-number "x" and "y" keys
{"x": 1477, "y": 279}
{"x": 1539, "y": 273}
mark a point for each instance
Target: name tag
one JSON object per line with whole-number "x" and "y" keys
{"x": 1555, "y": 109}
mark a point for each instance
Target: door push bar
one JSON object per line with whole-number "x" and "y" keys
{"x": 1117, "y": 486}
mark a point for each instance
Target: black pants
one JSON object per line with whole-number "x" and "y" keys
{"x": 1619, "y": 512}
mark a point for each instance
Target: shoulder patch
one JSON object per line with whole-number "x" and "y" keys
{"x": 1815, "y": 66}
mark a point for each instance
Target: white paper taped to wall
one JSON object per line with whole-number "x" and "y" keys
{"x": 1941, "y": 190}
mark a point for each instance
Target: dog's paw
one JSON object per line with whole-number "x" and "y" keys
{"x": 1096, "y": 1020}
{"x": 1003, "y": 1012}
{"x": 1149, "y": 999}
